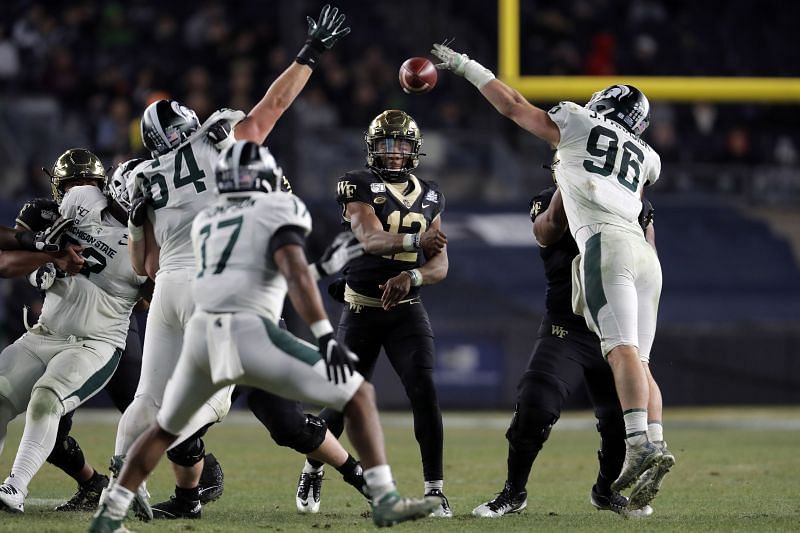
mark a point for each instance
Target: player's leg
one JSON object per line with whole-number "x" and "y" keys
{"x": 276, "y": 361}
{"x": 22, "y": 364}
{"x": 553, "y": 373}
{"x": 72, "y": 376}
{"x": 67, "y": 453}
{"x": 289, "y": 426}
{"x": 362, "y": 332}
{"x": 410, "y": 350}
{"x": 183, "y": 397}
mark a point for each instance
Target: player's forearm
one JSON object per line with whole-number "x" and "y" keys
{"x": 435, "y": 270}
{"x": 379, "y": 242}
{"x": 551, "y": 225}
{"x": 136, "y": 251}
{"x": 20, "y": 263}
{"x": 305, "y": 297}
{"x": 280, "y": 95}
{"x": 506, "y": 100}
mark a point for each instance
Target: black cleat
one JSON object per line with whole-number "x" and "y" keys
{"x": 212, "y": 480}
{"x": 617, "y": 503}
{"x": 505, "y": 503}
{"x": 443, "y": 510}
{"x": 309, "y": 488}
{"x": 88, "y": 496}
{"x": 177, "y": 508}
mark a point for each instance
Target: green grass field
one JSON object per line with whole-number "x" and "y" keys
{"x": 738, "y": 470}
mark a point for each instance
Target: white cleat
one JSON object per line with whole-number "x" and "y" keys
{"x": 11, "y": 500}
{"x": 309, "y": 488}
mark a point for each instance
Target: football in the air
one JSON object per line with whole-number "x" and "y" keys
{"x": 417, "y": 75}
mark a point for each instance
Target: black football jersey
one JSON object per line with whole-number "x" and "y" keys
{"x": 558, "y": 258}
{"x": 38, "y": 214}
{"x": 403, "y": 208}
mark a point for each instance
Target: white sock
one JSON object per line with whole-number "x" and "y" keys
{"x": 38, "y": 438}
{"x": 635, "y": 426}
{"x": 436, "y": 484}
{"x": 655, "y": 431}
{"x": 118, "y": 500}
{"x": 309, "y": 469}
{"x": 379, "y": 481}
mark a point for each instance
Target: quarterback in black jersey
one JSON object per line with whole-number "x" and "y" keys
{"x": 397, "y": 217}
{"x": 566, "y": 353}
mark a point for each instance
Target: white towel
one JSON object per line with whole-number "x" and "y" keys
{"x": 578, "y": 302}
{"x": 223, "y": 357}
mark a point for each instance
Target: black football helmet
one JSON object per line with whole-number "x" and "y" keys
{"x": 382, "y": 138}
{"x": 245, "y": 166}
{"x": 624, "y": 104}
{"x": 117, "y": 182}
{"x": 166, "y": 124}
{"x": 75, "y": 164}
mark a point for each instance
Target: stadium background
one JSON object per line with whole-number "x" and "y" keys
{"x": 727, "y": 206}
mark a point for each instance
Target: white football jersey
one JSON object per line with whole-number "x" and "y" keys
{"x": 97, "y": 302}
{"x": 182, "y": 184}
{"x": 600, "y": 168}
{"x": 231, "y": 246}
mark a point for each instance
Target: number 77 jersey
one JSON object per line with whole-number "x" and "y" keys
{"x": 182, "y": 183}
{"x": 601, "y": 168}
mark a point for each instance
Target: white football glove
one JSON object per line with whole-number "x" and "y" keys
{"x": 43, "y": 277}
{"x": 461, "y": 64}
{"x": 344, "y": 248}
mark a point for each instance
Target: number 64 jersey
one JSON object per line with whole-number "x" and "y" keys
{"x": 601, "y": 168}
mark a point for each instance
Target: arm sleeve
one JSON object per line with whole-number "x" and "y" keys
{"x": 284, "y": 236}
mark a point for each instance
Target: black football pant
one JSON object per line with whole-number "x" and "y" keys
{"x": 406, "y": 336}
{"x": 565, "y": 355}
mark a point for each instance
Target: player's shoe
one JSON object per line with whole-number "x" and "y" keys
{"x": 637, "y": 460}
{"x": 103, "y": 522}
{"x": 309, "y": 489}
{"x": 87, "y": 498}
{"x": 617, "y": 503}
{"x": 212, "y": 480}
{"x": 175, "y": 508}
{"x": 11, "y": 500}
{"x": 506, "y": 502}
{"x": 355, "y": 478}
{"x": 141, "y": 498}
{"x": 650, "y": 482}
{"x": 443, "y": 510}
{"x": 391, "y": 508}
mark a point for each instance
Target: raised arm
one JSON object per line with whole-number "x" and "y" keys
{"x": 508, "y": 101}
{"x": 549, "y": 226}
{"x": 322, "y": 35}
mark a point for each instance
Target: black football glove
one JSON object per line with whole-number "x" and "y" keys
{"x": 43, "y": 277}
{"x": 647, "y": 214}
{"x": 38, "y": 213}
{"x": 322, "y": 35}
{"x": 219, "y": 131}
{"x": 338, "y": 359}
{"x": 137, "y": 214}
{"x": 48, "y": 240}
{"x": 344, "y": 248}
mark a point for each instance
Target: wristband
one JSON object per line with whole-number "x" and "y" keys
{"x": 315, "y": 271}
{"x": 415, "y": 275}
{"x": 309, "y": 54}
{"x": 477, "y": 74}
{"x": 320, "y": 328}
{"x": 135, "y": 233}
{"x": 411, "y": 242}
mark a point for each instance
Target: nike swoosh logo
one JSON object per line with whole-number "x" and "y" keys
{"x": 425, "y": 205}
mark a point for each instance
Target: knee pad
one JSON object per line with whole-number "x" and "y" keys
{"x": 189, "y": 452}
{"x": 64, "y": 427}
{"x": 67, "y": 455}
{"x": 530, "y": 428}
{"x": 303, "y": 438}
{"x": 44, "y": 402}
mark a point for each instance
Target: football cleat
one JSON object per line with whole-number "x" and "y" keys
{"x": 175, "y": 508}
{"x": 616, "y": 502}
{"x": 309, "y": 488}
{"x": 11, "y": 500}
{"x": 391, "y": 508}
{"x": 355, "y": 478}
{"x": 103, "y": 522}
{"x": 504, "y": 503}
{"x": 637, "y": 460}
{"x": 649, "y": 483}
{"x": 443, "y": 510}
{"x": 212, "y": 480}
{"x": 87, "y": 498}
{"x": 141, "y": 498}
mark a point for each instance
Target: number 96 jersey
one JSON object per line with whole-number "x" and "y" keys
{"x": 408, "y": 207}
{"x": 601, "y": 168}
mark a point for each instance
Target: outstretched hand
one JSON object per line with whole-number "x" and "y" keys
{"x": 450, "y": 59}
{"x": 327, "y": 30}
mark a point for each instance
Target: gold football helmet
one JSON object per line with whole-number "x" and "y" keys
{"x": 393, "y": 134}
{"x": 75, "y": 164}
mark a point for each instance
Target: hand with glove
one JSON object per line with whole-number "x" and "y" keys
{"x": 43, "y": 277}
{"x": 338, "y": 358}
{"x": 322, "y": 35}
{"x": 344, "y": 248}
{"x": 461, "y": 64}
{"x": 137, "y": 214}
{"x": 49, "y": 240}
